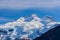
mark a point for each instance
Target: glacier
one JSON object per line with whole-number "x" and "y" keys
{"x": 29, "y": 30}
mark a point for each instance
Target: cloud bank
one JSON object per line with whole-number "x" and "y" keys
{"x": 29, "y": 3}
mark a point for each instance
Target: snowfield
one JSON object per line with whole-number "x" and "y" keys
{"x": 26, "y": 29}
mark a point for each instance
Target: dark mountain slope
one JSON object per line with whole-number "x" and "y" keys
{"x": 53, "y": 34}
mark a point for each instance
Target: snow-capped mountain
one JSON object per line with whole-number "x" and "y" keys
{"x": 27, "y": 29}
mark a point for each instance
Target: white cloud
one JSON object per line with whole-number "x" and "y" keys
{"x": 3, "y": 19}
{"x": 29, "y": 3}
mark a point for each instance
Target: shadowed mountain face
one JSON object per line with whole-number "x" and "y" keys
{"x": 53, "y": 34}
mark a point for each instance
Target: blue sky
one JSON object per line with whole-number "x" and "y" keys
{"x": 11, "y": 10}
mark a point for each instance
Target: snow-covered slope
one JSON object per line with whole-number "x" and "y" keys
{"x": 28, "y": 29}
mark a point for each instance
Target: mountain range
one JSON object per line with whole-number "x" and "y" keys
{"x": 27, "y": 27}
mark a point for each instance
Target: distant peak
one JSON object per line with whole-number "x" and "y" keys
{"x": 48, "y": 18}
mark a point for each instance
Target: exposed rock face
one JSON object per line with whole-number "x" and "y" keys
{"x": 53, "y": 34}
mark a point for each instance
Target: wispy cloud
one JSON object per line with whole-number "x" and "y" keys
{"x": 3, "y": 19}
{"x": 29, "y": 3}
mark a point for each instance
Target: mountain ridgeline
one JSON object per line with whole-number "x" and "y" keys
{"x": 53, "y": 34}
